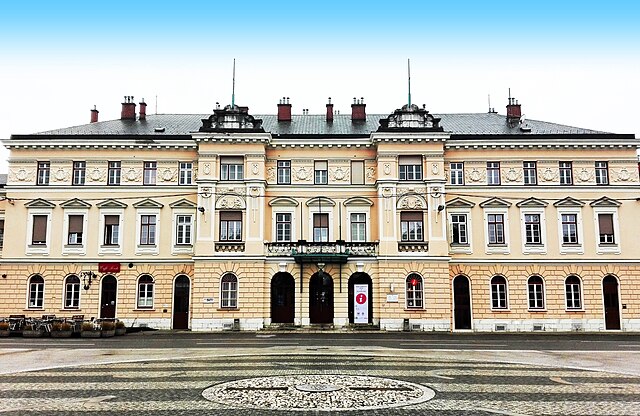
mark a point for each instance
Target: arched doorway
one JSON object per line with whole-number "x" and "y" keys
{"x": 321, "y": 298}
{"x": 108, "y": 297}
{"x": 611, "y": 302}
{"x": 461, "y": 303}
{"x": 363, "y": 315}
{"x": 181, "y": 294}
{"x": 283, "y": 298}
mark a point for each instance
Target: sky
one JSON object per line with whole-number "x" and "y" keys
{"x": 569, "y": 62}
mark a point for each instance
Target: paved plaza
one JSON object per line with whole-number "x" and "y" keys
{"x": 107, "y": 378}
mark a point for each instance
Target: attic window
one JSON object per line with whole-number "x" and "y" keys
{"x": 159, "y": 129}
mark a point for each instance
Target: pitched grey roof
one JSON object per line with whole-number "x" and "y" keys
{"x": 184, "y": 124}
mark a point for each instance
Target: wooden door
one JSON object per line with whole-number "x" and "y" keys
{"x": 283, "y": 296}
{"x": 611, "y": 303}
{"x": 321, "y": 299}
{"x": 109, "y": 297}
{"x": 181, "y": 294}
{"x": 462, "y": 303}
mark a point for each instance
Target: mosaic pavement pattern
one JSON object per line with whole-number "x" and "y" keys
{"x": 318, "y": 385}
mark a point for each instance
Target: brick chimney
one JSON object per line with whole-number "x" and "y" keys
{"x": 284, "y": 109}
{"x": 357, "y": 110}
{"x": 128, "y": 108}
{"x": 329, "y": 111}
{"x": 143, "y": 110}
{"x": 514, "y": 112}
{"x": 94, "y": 115}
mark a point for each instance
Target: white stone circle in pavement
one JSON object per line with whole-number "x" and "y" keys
{"x": 325, "y": 392}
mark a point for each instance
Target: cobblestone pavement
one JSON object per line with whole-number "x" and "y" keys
{"x": 175, "y": 387}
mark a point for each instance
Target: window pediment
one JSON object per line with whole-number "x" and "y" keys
{"x": 75, "y": 203}
{"x": 495, "y": 202}
{"x": 460, "y": 203}
{"x": 568, "y": 202}
{"x": 605, "y": 202}
{"x": 148, "y": 203}
{"x": 532, "y": 203}
{"x": 283, "y": 201}
{"x": 321, "y": 201}
{"x": 39, "y": 203}
{"x": 111, "y": 203}
{"x": 182, "y": 203}
{"x": 358, "y": 201}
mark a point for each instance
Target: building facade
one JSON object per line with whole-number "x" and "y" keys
{"x": 404, "y": 221}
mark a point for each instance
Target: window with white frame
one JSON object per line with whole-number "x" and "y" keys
{"x": 411, "y": 226}
{"x": 321, "y": 227}
{"x": 320, "y": 172}
{"x": 231, "y": 226}
{"x": 493, "y": 173}
{"x": 414, "y": 291}
{"x": 456, "y": 173}
{"x": 530, "y": 173}
{"x": 79, "y": 173}
{"x": 499, "y": 294}
{"x": 148, "y": 230}
{"x": 149, "y": 173}
{"x": 569, "y": 228}
{"x": 570, "y": 233}
{"x": 229, "y": 291}
{"x": 535, "y": 286}
{"x": 75, "y": 235}
{"x": 114, "y": 173}
{"x": 36, "y": 292}
{"x": 283, "y": 172}
{"x": 566, "y": 173}
{"x": 605, "y": 229}
{"x": 358, "y": 226}
{"x": 283, "y": 226}
{"x": 145, "y": 292}
{"x": 185, "y": 173}
{"x": 231, "y": 168}
{"x": 111, "y": 230}
{"x": 495, "y": 229}
{"x": 602, "y": 173}
{"x": 184, "y": 227}
{"x": 357, "y": 172}
{"x": 459, "y": 229}
{"x": 605, "y": 218}
{"x": 72, "y": 292}
{"x": 572, "y": 286}
{"x": 42, "y": 176}
{"x": 410, "y": 168}
{"x": 532, "y": 228}
{"x": 39, "y": 230}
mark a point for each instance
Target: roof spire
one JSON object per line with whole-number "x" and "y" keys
{"x": 233, "y": 88}
{"x": 409, "y": 77}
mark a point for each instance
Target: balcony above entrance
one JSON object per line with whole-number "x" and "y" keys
{"x": 336, "y": 252}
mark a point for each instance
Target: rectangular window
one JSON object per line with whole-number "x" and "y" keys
{"x": 572, "y": 291}
{"x": 283, "y": 226}
{"x": 72, "y": 293}
{"x": 411, "y": 226}
{"x": 147, "y": 230}
{"x": 320, "y": 172}
{"x": 150, "y": 169}
{"x": 533, "y": 231}
{"x": 493, "y": 173}
{"x": 1, "y": 233}
{"x": 42, "y": 177}
{"x": 75, "y": 229}
{"x": 230, "y": 226}
{"x": 185, "y": 174}
{"x": 536, "y": 295}
{"x": 79, "y": 173}
{"x": 456, "y": 173}
{"x": 605, "y": 228}
{"x": 321, "y": 227}
{"x": 499, "y": 295}
{"x": 114, "y": 171}
{"x": 569, "y": 229}
{"x": 566, "y": 173}
{"x": 284, "y": 172}
{"x": 410, "y": 168}
{"x": 145, "y": 294}
{"x": 39, "y": 232}
{"x": 359, "y": 227}
{"x": 111, "y": 230}
{"x": 36, "y": 293}
{"x": 184, "y": 225}
{"x": 459, "y": 229}
{"x": 231, "y": 168}
{"x": 229, "y": 293}
{"x": 495, "y": 224}
{"x": 530, "y": 171}
{"x": 357, "y": 172}
{"x": 602, "y": 173}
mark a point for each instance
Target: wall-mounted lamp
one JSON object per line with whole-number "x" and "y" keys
{"x": 440, "y": 208}
{"x": 201, "y": 209}
{"x": 87, "y": 278}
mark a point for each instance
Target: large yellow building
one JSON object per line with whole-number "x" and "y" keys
{"x": 405, "y": 221}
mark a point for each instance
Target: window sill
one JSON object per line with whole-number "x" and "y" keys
{"x": 574, "y": 310}
{"x": 144, "y": 310}
{"x": 409, "y": 309}
{"x": 228, "y": 309}
{"x": 500, "y": 310}
{"x": 70, "y": 310}
{"x": 33, "y": 309}
{"x": 543, "y": 310}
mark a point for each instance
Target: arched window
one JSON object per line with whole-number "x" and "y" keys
{"x": 499, "y": 295}
{"x": 72, "y": 292}
{"x": 229, "y": 291}
{"x": 536, "y": 292}
{"x": 415, "y": 291}
{"x": 36, "y": 292}
{"x": 573, "y": 293}
{"x": 145, "y": 292}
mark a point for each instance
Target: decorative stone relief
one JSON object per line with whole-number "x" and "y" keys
{"x": 513, "y": 175}
{"x": 387, "y": 169}
{"x": 387, "y": 192}
{"x": 207, "y": 168}
{"x": 62, "y": 175}
{"x": 435, "y": 168}
{"x": 476, "y": 175}
{"x": 230, "y": 202}
{"x": 254, "y": 168}
{"x": 271, "y": 174}
{"x": 133, "y": 175}
{"x": 584, "y": 175}
{"x": 412, "y": 202}
{"x": 98, "y": 175}
{"x": 411, "y": 190}
{"x": 622, "y": 175}
{"x": 371, "y": 173}
{"x": 206, "y": 192}
{"x": 168, "y": 174}
{"x": 22, "y": 175}
{"x": 254, "y": 192}
{"x": 549, "y": 175}
{"x": 339, "y": 174}
{"x": 303, "y": 173}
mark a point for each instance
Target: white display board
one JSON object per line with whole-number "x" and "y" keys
{"x": 361, "y": 304}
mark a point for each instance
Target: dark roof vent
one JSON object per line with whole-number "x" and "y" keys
{"x": 159, "y": 129}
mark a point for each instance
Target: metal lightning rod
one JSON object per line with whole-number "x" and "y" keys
{"x": 409, "y": 75}
{"x": 233, "y": 89}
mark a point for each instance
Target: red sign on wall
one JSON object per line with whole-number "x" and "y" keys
{"x": 109, "y": 267}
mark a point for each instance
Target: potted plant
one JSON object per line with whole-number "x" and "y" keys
{"x": 61, "y": 330}
{"x": 108, "y": 329}
{"x": 30, "y": 331}
{"x": 121, "y": 328}
{"x": 89, "y": 330}
{"x": 4, "y": 329}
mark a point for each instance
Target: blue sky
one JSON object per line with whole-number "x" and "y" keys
{"x": 575, "y": 63}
